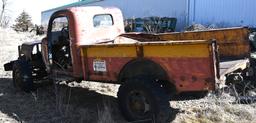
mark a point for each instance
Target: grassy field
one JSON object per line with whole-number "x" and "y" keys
{"x": 91, "y": 102}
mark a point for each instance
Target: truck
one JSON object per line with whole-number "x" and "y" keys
{"x": 89, "y": 43}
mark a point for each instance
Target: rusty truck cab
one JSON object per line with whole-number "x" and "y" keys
{"x": 70, "y": 28}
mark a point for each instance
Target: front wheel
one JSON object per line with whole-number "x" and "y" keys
{"x": 22, "y": 76}
{"x": 144, "y": 100}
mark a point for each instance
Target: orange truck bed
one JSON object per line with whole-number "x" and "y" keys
{"x": 233, "y": 42}
{"x": 188, "y": 65}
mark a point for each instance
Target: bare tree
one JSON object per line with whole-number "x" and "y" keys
{"x": 4, "y": 19}
{"x": 4, "y": 2}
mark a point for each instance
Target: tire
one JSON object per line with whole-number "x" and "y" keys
{"x": 144, "y": 100}
{"x": 22, "y": 76}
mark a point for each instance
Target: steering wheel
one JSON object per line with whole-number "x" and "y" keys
{"x": 65, "y": 32}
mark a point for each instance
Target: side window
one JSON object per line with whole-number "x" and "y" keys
{"x": 59, "y": 30}
{"x": 103, "y": 20}
{"x": 59, "y": 23}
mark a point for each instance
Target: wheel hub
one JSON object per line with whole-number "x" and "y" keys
{"x": 138, "y": 103}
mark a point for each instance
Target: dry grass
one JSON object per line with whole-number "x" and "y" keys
{"x": 104, "y": 113}
{"x": 215, "y": 109}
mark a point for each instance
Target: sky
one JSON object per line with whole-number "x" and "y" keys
{"x": 33, "y": 7}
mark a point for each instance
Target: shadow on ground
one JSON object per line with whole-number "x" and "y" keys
{"x": 60, "y": 103}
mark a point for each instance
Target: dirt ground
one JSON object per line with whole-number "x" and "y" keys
{"x": 90, "y": 102}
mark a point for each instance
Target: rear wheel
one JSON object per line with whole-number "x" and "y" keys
{"x": 22, "y": 76}
{"x": 144, "y": 100}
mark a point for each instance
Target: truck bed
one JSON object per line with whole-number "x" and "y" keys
{"x": 233, "y": 45}
{"x": 189, "y": 65}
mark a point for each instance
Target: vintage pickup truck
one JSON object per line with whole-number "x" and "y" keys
{"x": 89, "y": 43}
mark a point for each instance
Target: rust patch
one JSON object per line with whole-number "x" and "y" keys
{"x": 182, "y": 78}
{"x": 194, "y": 79}
{"x": 140, "y": 51}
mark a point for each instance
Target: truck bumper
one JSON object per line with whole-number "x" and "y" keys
{"x": 8, "y": 66}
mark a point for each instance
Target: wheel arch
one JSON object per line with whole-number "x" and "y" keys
{"x": 147, "y": 68}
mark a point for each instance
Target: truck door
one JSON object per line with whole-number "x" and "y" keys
{"x": 59, "y": 44}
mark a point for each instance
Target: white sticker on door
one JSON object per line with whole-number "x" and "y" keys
{"x": 99, "y": 65}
